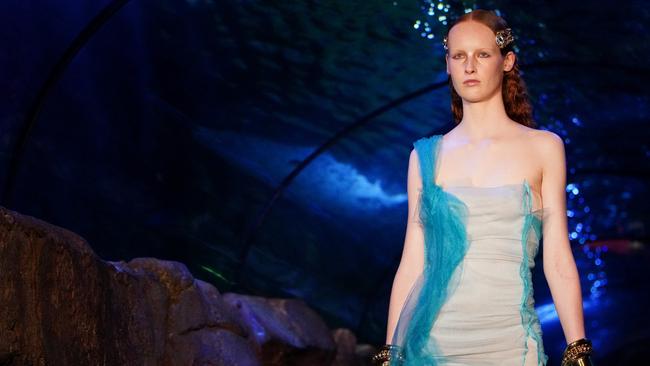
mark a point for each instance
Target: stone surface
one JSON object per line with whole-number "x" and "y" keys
{"x": 284, "y": 329}
{"x": 346, "y": 343}
{"x": 60, "y": 304}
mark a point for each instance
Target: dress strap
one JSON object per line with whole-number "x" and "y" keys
{"x": 427, "y": 150}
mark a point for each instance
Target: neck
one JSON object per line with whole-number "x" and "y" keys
{"x": 484, "y": 119}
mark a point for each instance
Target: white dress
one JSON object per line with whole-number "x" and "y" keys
{"x": 473, "y": 303}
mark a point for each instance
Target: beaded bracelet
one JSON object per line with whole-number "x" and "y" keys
{"x": 387, "y": 353}
{"x": 579, "y": 351}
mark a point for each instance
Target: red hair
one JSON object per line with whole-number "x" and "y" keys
{"x": 513, "y": 89}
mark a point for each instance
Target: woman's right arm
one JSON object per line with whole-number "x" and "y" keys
{"x": 412, "y": 261}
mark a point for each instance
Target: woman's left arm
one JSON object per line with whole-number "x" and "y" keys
{"x": 559, "y": 265}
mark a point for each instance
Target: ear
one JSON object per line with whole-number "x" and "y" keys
{"x": 509, "y": 61}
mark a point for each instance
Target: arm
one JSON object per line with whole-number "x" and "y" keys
{"x": 412, "y": 261}
{"x": 559, "y": 265}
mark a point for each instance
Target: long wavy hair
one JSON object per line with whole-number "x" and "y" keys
{"x": 513, "y": 88}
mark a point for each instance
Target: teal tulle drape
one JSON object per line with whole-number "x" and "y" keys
{"x": 529, "y": 319}
{"x": 443, "y": 218}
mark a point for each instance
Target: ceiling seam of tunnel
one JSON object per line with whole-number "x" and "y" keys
{"x": 247, "y": 239}
{"x": 54, "y": 76}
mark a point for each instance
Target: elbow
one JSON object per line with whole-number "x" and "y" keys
{"x": 561, "y": 270}
{"x": 558, "y": 261}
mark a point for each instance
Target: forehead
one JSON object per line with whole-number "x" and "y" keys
{"x": 471, "y": 35}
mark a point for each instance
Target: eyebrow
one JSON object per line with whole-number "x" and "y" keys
{"x": 479, "y": 49}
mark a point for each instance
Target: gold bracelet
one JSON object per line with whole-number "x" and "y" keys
{"x": 387, "y": 353}
{"x": 578, "y": 353}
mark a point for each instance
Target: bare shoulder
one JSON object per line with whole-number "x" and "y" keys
{"x": 546, "y": 142}
{"x": 413, "y": 158}
{"x": 414, "y": 154}
{"x": 548, "y": 151}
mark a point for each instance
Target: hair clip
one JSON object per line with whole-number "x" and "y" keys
{"x": 503, "y": 38}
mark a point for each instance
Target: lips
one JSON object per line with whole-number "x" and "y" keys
{"x": 471, "y": 82}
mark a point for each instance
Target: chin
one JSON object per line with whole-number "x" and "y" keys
{"x": 472, "y": 97}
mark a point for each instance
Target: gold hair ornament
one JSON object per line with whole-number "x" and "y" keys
{"x": 503, "y": 38}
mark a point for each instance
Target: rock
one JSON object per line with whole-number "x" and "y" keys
{"x": 60, "y": 304}
{"x": 346, "y": 343}
{"x": 364, "y": 353}
{"x": 206, "y": 346}
{"x": 284, "y": 331}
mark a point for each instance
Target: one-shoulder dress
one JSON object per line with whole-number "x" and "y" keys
{"x": 473, "y": 302}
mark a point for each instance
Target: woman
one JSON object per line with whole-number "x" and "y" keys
{"x": 477, "y": 199}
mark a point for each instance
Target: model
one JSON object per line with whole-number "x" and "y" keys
{"x": 480, "y": 198}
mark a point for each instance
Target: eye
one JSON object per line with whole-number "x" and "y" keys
{"x": 485, "y": 54}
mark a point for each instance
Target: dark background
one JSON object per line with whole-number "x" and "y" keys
{"x": 265, "y": 143}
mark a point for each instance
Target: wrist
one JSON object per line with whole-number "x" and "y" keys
{"x": 578, "y": 353}
{"x": 575, "y": 337}
{"x": 389, "y": 354}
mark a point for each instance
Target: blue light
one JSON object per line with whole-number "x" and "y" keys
{"x": 576, "y": 121}
{"x": 547, "y": 312}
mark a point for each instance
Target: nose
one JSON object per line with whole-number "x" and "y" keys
{"x": 470, "y": 67}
